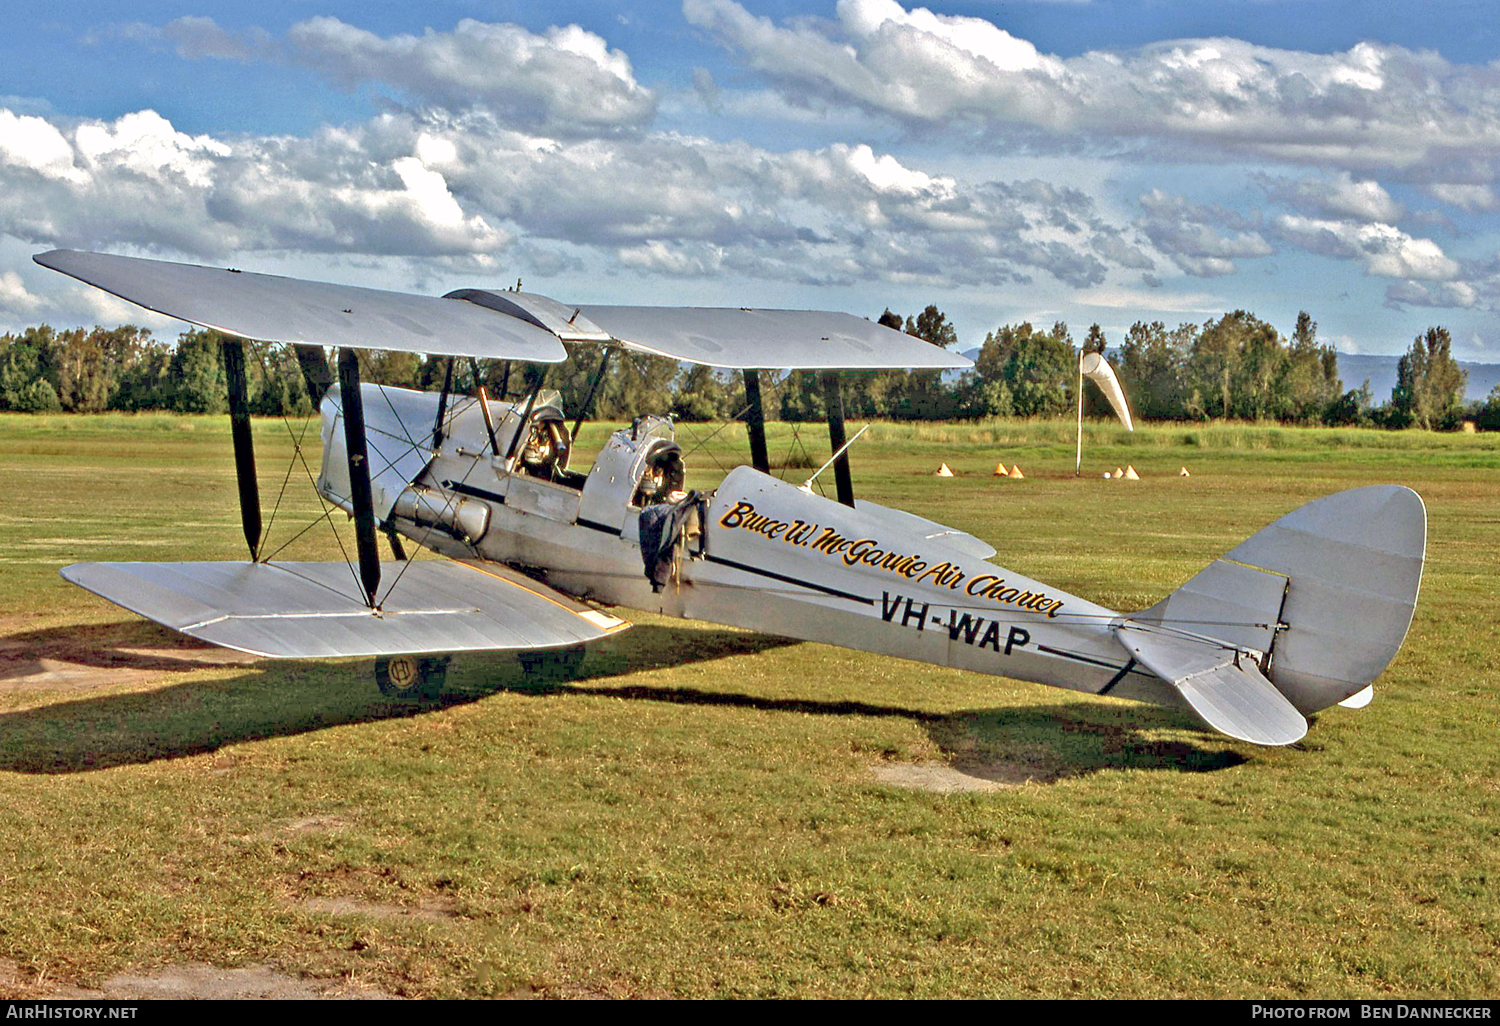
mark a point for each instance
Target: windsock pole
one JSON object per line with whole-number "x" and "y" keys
{"x": 1078, "y": 466}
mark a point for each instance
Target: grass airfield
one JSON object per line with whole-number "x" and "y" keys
{"x": 707, "y": 812}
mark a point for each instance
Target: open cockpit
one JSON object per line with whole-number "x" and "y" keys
{"x": 442, "y": 463}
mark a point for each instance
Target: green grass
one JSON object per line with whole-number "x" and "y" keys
{"x": 697, "y": 816}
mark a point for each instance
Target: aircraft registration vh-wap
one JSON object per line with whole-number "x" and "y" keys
{"x": 1303, "y": 615}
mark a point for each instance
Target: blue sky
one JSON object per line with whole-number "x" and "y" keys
{"x": 1099, "y": 161}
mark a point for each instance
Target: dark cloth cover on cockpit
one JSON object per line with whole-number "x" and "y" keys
{"x": 661, "y": 525}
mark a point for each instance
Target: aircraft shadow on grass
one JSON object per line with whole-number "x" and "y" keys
{"x": 287, "y": 698}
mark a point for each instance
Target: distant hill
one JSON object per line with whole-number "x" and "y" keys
{"x": 1381, "y": 370}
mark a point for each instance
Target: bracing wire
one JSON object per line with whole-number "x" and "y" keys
{"x": 709, "y": 438}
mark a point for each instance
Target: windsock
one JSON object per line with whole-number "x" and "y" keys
{"x": 1097, "y": 369}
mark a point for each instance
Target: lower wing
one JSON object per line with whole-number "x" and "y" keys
{"x": 316, "y": 610}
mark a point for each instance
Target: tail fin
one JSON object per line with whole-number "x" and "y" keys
{"x": 1327, "y": 593}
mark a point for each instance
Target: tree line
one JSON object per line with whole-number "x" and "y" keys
{"x": 1236, "y": 366}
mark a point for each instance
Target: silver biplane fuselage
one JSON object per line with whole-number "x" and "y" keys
{"x": 757, "y": 552}
{"x": 768, "y": 555}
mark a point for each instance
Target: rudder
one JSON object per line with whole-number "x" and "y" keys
{"x": 1328, "y": 590}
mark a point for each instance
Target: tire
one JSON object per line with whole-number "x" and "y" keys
{"x": 411, "y": 678}
{"x": 553, "y": 664}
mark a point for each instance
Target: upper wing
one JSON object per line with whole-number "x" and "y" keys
{"x": 316, "y": 610}
{"x": 742, "y": 338}
{"x": 769, "y": 339}
{"x": 493, "y": 324}
{"x": 271, "y": 308}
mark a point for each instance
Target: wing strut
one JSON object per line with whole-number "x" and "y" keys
{"x": 583, "y": 411}
{"x": 244, "y": 446}
{"x": 316, "y": 374}
{"x": 359, "y": 474}
{"x": 755, "y": 422}
{"x": 442, "y": 411}
{"x": 523, "y": 429}
{"x": 833, "y": 398}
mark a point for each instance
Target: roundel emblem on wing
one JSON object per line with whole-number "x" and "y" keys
{"x": 403, "y": 672}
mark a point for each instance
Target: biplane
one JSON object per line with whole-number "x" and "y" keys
{"x": 1303, "y": 615}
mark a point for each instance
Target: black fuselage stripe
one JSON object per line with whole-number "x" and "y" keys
{"x": 790, "y": 580}
{"x": 478, "y": 493}
{"x": 594, "y": 525}
{"x": 1078, "y": 658}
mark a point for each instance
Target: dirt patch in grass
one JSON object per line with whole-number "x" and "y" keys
{"x": 83, "y": 657}
{"x": 431, "y": 909}
{"x": 309, "y": 825}
{"x": 946, "y": 779}
{"x": 340, "y": 897}
{"x": 195, "y": 981}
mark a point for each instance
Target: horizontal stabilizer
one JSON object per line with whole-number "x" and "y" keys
{"x": 1220, "y": 684}
{"x": 316, "y": 610}
{"x": 1328, "y": 592}
{"x": 271, "y": 308}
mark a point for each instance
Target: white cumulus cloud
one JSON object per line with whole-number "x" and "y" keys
{"x": 1195, "y": 238}
{"x": 1370, "y": 107}
{"x": 136, "y": 181}
{"x": 1453, "y": 294}
{"x": 1338, "y": 196}
{"x": 14, "y": 297}
{"x": 562, "y": 80}
{"x": 1387, "y": 251}
{"x": 146, "y": 144}
{"x": 1466, "y": 197}
{"x": 33, "y": 144}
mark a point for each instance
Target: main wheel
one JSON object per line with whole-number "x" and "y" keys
{"x": 410, "y": 677}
